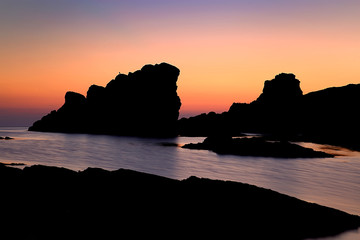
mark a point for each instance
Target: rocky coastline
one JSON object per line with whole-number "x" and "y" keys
{"x": 42, "y": 202}
{"x": 145, "y": 103}
{"x": 283, "y": 112}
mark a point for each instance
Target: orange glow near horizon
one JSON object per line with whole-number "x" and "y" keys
{"x": 224, "y": 55}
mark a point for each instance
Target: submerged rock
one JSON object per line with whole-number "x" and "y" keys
{"x": 6, "y": 138}
{"x": 257, "y": 147}
{"x": 143, "y": 103}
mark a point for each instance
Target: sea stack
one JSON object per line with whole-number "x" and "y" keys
{"x": 284, "y": 88}
{"x": 143, "y": 103}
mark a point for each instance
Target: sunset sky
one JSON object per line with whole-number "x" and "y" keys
{"x": 225, "y": 49}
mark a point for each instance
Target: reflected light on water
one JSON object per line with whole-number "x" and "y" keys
{"x": 333, "y": 182}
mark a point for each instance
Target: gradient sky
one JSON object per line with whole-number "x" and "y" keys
{"x": 225, "y": 49}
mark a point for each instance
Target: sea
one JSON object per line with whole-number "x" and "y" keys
{"x": 332, "y": 182}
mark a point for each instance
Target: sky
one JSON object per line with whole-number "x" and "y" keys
{"x": 225, "y": 49}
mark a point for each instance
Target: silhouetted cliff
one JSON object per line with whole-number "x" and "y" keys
{"x": 143, "y": 103}
{"x": 331, "y": 116}
{"x": 328, "y": 116}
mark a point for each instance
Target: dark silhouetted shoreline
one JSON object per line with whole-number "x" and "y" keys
{"x": 283, "y": 112}
{"x": 42, "y": 202}
{"x": 145, "y": 103}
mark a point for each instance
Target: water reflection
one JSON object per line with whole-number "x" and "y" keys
{"x": 350, "y": 235}
{"x": 332, "y": 182}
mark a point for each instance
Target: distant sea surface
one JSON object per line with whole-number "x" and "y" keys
{"x": 333, "y": 182}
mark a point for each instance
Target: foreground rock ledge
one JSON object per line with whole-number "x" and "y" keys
{"x": 42, "y": 202}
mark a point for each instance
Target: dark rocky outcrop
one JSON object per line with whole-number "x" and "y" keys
{"x": 325, "y": 116}
{"x": 6, "y": 138}
{"x": 275, "y": 111}
{"x": 283, "y": 89}
{"x": 256, "y": 146}
{"x": 143, "y": 103}
{"x": 331, "y": 116}
{"x": 13, "y": 164}
{"x": 42, "y": 202}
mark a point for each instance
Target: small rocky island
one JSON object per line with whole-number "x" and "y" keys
{"x": 41, "y": 202}
{"x": 6, "y": 138}
{"x": 142, "y": 103}
{"x": 256, "y": 146}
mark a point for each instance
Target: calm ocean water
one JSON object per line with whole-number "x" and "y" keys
{"x": 333, "y": 182}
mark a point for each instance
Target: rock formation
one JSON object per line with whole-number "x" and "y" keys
{"x": 275, "y": 110}
{"x": 331, "y": 116}
{"x": 282, "y": 89}
{"x": 6, "y": 138}
{"x": 42, "y": 202}
{"x": 325, "y": 116}
{"x": 143, "y": 103}
{"x": 257, "y": 147}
